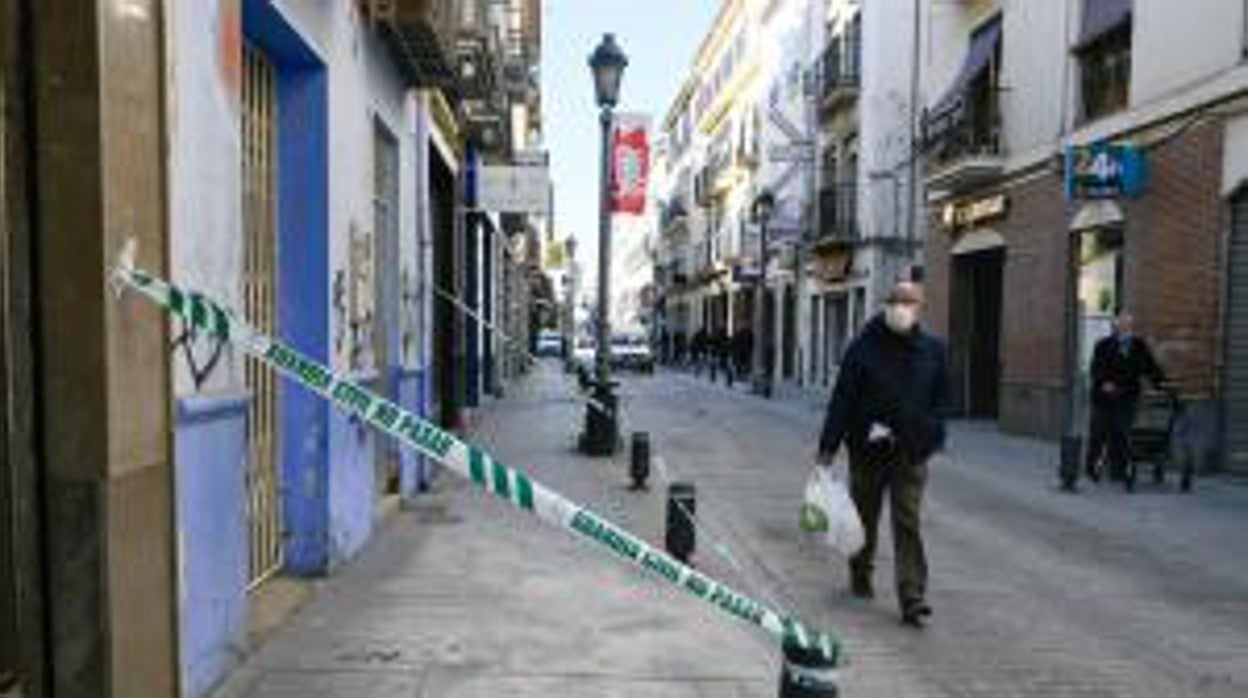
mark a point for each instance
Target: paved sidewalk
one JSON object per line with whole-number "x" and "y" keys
{"x": 1037, "y": 593}
{"x": 463, "y": 597}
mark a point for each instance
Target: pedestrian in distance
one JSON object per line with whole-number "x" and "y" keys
{"x": 1120, "y": 362}
{"x": 698, "y": 350}
{"x": 723, "y": 355}
{"x": 743, "y": 348}
{"x": 889, "y": 408}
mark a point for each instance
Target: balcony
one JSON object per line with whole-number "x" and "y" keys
{"x": 964, "y": 152}
{"x": 841, "y": 73}
{"x": 838, "y": 217}
{"x": 420, "y": 36}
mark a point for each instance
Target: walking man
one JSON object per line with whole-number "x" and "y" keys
{"x": 1119, "y": 362}
{"x": 889, "y": 409}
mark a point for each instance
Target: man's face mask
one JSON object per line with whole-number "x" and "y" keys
{"x": 901, "y": 317}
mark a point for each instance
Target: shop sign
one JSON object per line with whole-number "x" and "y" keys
{"x": 1104, "y": 171}
{"x": 964, "y": 214}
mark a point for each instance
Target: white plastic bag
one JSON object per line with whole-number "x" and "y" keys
{"x": 828, "y": 509}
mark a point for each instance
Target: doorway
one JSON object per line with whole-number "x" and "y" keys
{"x": 789, "y": 338}
{"x": 386, "y": 335}
{"x": 976, "y": 325}
{"x": 259, "y": 179}
{"x": 445, "y": 318}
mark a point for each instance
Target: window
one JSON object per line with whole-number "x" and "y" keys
{"x": 1104, "y": 55}
{"x": 1105, "y": 73}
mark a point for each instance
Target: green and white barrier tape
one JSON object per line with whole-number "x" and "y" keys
{"x": 467, "y": 461}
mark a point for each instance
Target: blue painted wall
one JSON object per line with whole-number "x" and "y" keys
{"x": 352, "y": 486}
{"x": 412, "y": 480}
{"x": 210, "y": 456}
{"x": 303, "y": 276}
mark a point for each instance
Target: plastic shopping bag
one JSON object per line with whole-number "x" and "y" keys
{"x": 828, "y": 509}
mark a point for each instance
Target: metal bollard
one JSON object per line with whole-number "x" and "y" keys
{"x": 681, "y": 536}
{"x": 806, "y": 674}
{"x": 639, "y": 467}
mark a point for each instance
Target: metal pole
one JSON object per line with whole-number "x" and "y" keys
{"x": 912, "y": 155}
{"x": 762, "y": 371}
{"x": 601, "y": 435}
{"x": 602, "y": 351}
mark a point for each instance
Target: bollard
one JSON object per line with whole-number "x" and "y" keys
{"x": 807, "y": 674}
{"x": 681, "y": 536}
{"x": 639, "y": 468}
{"x": 1068, "y": 470}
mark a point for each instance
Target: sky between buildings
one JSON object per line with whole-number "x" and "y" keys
{"x": 660, "y": 38}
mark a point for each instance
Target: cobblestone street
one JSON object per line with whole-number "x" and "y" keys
{"x": 1036, "y": 593}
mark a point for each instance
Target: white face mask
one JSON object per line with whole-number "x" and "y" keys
{"x": 901, "y": 318}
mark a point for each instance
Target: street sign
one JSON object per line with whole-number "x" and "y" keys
{"x": 514, "y": 189}
{"x": 1104, "y": 171}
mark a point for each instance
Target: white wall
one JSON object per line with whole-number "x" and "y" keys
{"x": 205, "y": 189}
{"x": 1175, "y": 44}
{"x": 1033, "y": 73}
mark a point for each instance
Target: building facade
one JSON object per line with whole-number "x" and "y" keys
{"x": 308, "y": 164}
{"x": 827, "y": 123}
{"x": 1025, "y": 102}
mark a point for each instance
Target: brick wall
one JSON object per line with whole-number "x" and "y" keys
{"x": 1033, "y": 322}
{"x": 1174, "y": 257}
{"x": 1173, "y": 271}
{"x": 1032, "y": 345}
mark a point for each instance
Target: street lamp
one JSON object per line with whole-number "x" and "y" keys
{"x": 761, "y": 210}
{"x": 602, "y": 427}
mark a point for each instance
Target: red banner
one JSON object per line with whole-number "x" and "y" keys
{"x": 630, "y": 164}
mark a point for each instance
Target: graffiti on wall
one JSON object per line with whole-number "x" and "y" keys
{"x": 200, "y": 353}
{"x": 354, "y": 303}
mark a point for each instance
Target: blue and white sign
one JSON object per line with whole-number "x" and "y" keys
{"x": 1105, "y": 171}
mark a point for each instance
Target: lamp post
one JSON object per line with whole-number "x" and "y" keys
{"x": 601, "y": 435}
{"x": 762, "y": 208}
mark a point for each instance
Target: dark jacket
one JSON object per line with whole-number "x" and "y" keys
{"x": 900, "y": 381}
{"x": 1124, "y": 370}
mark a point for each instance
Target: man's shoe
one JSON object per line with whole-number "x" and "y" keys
{"x": 861, "y": 587}
{"x": 916, "y": 613}
{"x": 1094, "y": 473}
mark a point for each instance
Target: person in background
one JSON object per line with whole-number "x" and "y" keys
{"x": 1119, "y": 363}
{"x": 889, "y": 408}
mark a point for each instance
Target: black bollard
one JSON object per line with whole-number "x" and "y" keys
{"x": 681, "y": 536}
{"x": 639, "y": 468}
{"x": 807, "y": 674}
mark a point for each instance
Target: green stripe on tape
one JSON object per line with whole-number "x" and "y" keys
{"x": 199, "y": 313}
{"x": 221, "y": 322}
{"x": 502, "y": 486}
{"x": 177, "y": 302}
{"x": 476, "y": 464}
{"x": 524, "y": 491}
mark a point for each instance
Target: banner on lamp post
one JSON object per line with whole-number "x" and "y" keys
{"x": 630, "y": 163}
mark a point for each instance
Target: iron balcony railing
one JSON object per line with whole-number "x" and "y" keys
{"x": 838, "y": 212}
{"x": 841, "y": 66}
{"x": 964, "y": 135}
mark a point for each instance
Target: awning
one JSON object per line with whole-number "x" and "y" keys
{"x": 984, "y": 44}
{"x": 1097, "y": 214}
{"x": 979, "y": 240}
{"x": 1101, "y": 17}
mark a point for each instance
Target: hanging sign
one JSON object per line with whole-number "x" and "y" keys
{"x": 1105, "y": 171}
{"x": 630, "y": 164}
{"x": 965, "y": 214}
